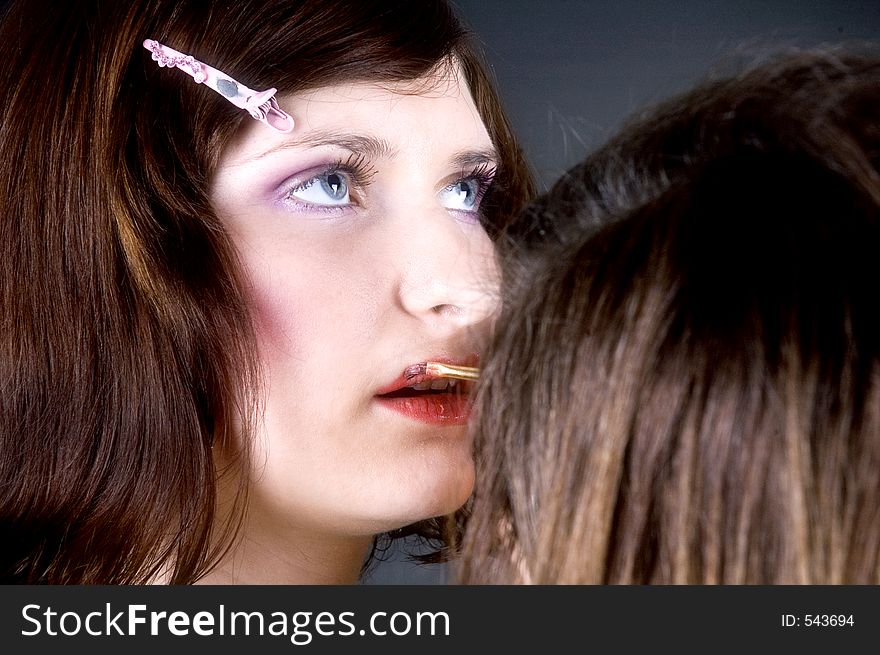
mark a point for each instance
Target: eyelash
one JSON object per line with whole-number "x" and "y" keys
{"x": 484, "y": 174}
{"x": 357, "y": 169}
{"x": 360, "y": 175}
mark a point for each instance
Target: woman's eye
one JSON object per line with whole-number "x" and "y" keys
{"x": 331, "y": 188}
{"x": 462, "y": 195}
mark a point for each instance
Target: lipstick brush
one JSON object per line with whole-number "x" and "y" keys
{"x": 442, "y": 371}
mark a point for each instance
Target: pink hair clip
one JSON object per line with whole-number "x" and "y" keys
{"x": 262, "y": 105}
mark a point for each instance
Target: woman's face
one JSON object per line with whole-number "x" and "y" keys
{"x": 360, "y": 235}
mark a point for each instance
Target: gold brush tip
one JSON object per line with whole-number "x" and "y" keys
{"x": 443, "y": 371}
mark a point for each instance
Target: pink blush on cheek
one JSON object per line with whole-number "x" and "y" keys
{"x": 274, "y": 314}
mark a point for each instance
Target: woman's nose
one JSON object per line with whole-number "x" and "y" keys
{"x": 449, "y": 275}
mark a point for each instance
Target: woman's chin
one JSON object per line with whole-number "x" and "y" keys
{"x": 417, "y": 500}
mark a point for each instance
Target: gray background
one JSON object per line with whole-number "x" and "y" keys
{"x": 569, "y": 71}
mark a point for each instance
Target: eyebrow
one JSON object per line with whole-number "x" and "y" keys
{"x": 474, "y": 158}
{"x": 372, "y": 148}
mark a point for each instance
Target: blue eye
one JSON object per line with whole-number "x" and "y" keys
{"x": 327, "y": 189}
{"x": 462, "y": 195}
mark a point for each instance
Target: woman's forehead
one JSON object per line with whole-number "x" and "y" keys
{"x": 435, "y": 112}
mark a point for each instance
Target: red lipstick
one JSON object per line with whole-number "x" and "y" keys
{"x": 424, "y": 393}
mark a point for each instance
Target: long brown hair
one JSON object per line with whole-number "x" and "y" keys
{"x": 685, "y": 382}
{"x": 126, "y": 349}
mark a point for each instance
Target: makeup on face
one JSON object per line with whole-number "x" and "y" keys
{"x": 432, "y": 392}
{"x": 333, "y": 170}
{"x": 362, "y": 241}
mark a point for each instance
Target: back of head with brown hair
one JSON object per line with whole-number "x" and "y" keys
{"x": 126, "y": 348}
{"x": 685, "y": 382}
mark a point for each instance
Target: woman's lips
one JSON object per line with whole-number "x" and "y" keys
{"x": 450, "y": 407}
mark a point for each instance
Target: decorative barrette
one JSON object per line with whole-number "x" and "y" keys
{"x": 262, "y": 105}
